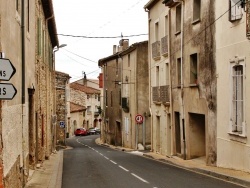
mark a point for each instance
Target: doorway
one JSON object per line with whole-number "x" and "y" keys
{"x": 177, "y": 133}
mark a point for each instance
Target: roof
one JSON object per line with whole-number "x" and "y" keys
{"x": 49, "y": 15}
{"x": 169, "y": 3}
{"x": 76, "y": 107}
{"x": 119, "y": 54}
{"x": 85, "y": 89}
{"x": 150, "y": 4}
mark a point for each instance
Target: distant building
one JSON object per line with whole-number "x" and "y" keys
{"x": 125, "y": 82}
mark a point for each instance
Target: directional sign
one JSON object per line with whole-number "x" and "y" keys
{"x": 139, "y": 118}
{"x": 7, "y": 91}
{"x": 7, "y": 70}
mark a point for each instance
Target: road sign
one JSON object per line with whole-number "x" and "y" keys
{"x": 7, "y": 70}
{"x": 62, "y": 124}
{"x": 139, "y": 118}
{"x": 7, "y": 91}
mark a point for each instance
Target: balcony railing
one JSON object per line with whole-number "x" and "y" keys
{"x": 156, "y": 50}
{"x": 164, "y": 46}
{"x": 161, "y": 94}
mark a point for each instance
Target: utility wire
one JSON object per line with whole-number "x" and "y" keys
{"x": 81, "y": 36}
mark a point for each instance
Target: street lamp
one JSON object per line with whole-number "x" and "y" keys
{"x": 58, "y": 47}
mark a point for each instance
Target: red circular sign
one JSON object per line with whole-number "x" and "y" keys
{"x": 139, "y": 118}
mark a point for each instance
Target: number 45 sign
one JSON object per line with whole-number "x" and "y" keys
{"x": 139, "y": 119}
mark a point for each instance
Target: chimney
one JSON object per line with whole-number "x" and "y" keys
{"x": 114, "y": 49}
{"x": 124, "y": 43}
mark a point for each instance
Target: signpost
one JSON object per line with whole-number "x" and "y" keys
{"x": 7, "y": 70}
{"x": 62, "y": 124}
{"x": 7, "y": 91}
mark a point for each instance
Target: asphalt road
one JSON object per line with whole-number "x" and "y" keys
{"x": 89, "y": 165}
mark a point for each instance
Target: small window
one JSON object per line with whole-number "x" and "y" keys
{"x": 157, "y": 31}
{"x": 117, "y": 68}
{"x": 87, "y": 96}
{"x": 99, "y": 97}
{"x": 235, "y": 10}
{"x": 196, "y": 10}
{"x": 193, "y": 69}
{"x": 106, "y": 97}
{"x": 128, "y": 60}
{"x": 111, "y": 98}
{"x": 166, "y": 25}
{"x": 28, "y": 15}
{"x": 157, "y": 75}
{"x": 179, "y": 71}
{"x": 178, "y": 19}
{"x": 167, "y": 74}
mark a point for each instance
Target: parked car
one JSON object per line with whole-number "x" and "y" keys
{"x": 81, "y": 132}
{"x": 94, "y": 130}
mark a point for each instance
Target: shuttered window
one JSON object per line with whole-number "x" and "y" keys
{"x": 238, "y": 102}
{"x": 235, "y": 10}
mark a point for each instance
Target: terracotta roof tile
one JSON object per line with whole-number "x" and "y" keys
{"x": 85, "y": 89}
{"x": 76, "y": 107}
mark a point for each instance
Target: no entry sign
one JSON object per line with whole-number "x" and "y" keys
{"x": 139, "y": 118}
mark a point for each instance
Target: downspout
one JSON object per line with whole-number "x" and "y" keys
{"x": 182, "y": 84}
{"x": 24, "y": 170}
{"x": 149, "y": 74}
{"x": 182, "y": 88}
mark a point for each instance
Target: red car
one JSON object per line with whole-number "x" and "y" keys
{"x": 81, "y": 132}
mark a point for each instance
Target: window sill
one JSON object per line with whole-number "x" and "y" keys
{"x": 165, "y": 54}
{"x": 238, "y": 137}
{"x": 177, "y": 32}
{"x": 196, "y": 21}
{"x": 157, "y": 58}
{"x": 157, "y": 102}
{"x": 193, "y": 85}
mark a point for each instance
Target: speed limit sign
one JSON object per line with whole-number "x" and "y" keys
{"x": 139, "y": 118}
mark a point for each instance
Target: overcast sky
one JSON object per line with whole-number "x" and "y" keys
{"x": 95, "y": 18}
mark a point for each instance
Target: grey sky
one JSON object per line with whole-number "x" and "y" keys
{"x": 95, "y": 19}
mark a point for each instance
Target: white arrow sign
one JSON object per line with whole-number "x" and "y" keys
{"x": 7, "y": 70}
{"x": 7, "y": 91}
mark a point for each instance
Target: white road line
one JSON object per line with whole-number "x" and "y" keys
{"x": 139, "y": 178}
{"x": 113, "y": 162}
{"x": 101, "y": 154}
{"x": 123, "y": 168}
{"x": 106, "y": 157}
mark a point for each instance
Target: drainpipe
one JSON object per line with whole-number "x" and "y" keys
{"x": 182, "y": 84}
{"x": 24, "y": 170}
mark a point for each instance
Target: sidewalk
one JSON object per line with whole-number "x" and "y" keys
{"x": 49, "y": 174}
{"x": 196, "y": 165}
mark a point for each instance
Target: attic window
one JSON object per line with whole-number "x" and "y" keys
{"x": 235, "y": 10}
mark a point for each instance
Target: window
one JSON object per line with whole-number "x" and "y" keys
{"x": 106, "y": 97}
{"x": 167, "y": 74}
{"x": 117, "y": 69}
{"x": 18, "y": 5}
{"x": 179, "y": 71}
{"x": 157, "y": 31}
{"x": 166, "y": 25}
{"x": 235, "y": 10}
{"x": 39, "y": 37}
{"x": 28, "y": 15}
{"x": 128, "y": 60}
{"x": 88, "y": 96}
{"x": 237, "y": 98}
{"x": 196, "y": 10}
{"x": 157, "y": 75}
{"x": 193, "y": 68}
{"x": 178, "y": 19}
{"x": 99, "y": 97}
{"x": 111, "y": 98}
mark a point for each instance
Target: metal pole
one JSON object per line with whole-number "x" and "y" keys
{"x": 143, "y": 131}
{"x": 136, "y": 136}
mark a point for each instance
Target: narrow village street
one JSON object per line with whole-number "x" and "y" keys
{"x": 88, "y": 162}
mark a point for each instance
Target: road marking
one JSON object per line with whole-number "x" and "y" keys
{"x": 139, "y": 178}
{"x": 101, "y": 154}
{"x": 106, "y": 157}
{"x": 123, "y": 168}
{"x": 113, "y": 162}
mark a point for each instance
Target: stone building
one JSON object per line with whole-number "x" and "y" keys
{"x": 192, "y": 70}
{"x": 26, "y": 120}
{"x": 159, "y": 77}
{"x": 62, "y": 106}
{"x": 125, "y": 87}
{"x": 88, "y": 100}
